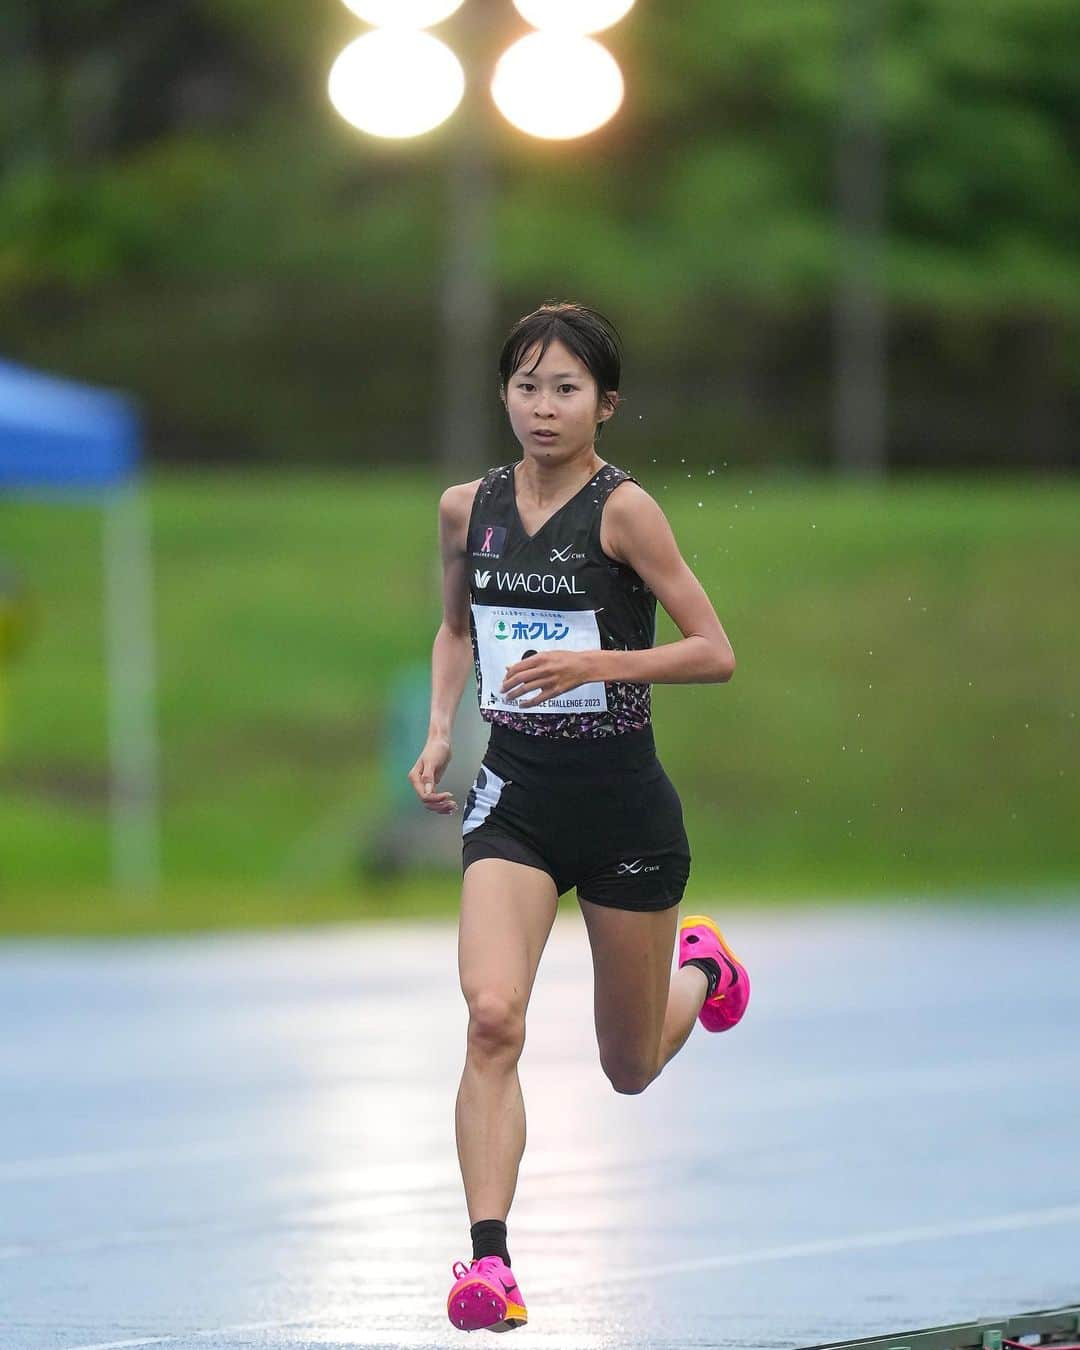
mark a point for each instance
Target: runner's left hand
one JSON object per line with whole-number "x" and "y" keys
{"x": 548, "y": 674}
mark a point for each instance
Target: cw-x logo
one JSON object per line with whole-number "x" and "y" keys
{"x": 564, "y": 554}
{"x": 633, "y": 868}
{"x": 482, "y": 579}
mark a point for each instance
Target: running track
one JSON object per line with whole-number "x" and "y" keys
{"x": 248, "y": 1141}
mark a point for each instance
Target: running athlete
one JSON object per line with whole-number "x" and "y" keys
{"x": 552, "y": 567}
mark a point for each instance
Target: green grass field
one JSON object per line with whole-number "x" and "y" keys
{"x": 903, "y": 719}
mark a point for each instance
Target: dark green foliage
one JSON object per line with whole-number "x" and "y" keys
{"x": 177, "y": 166}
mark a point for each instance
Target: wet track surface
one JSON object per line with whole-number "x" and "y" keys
{"x": 248, "y": 1141}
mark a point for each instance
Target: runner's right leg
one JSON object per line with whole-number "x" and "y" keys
{"x": 507, "y": 910}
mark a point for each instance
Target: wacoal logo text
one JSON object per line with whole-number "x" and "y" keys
{"x": 534, "y": 583}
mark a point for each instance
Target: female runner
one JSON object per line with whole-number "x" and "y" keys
{"x": 551, "y": 571}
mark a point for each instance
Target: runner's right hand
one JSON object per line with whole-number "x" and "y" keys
{"x": 427, "y": 771}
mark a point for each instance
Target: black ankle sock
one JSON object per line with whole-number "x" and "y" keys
{"x": 489, "y": 1239}
{"x": 711, "y": 969}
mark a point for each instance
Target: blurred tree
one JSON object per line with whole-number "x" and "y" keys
{"x": 178, "y": 158}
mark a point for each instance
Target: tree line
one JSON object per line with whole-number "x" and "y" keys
{"x": 182, "y": 213}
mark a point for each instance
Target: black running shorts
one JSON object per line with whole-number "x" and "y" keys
{"x": 601, "y": 815}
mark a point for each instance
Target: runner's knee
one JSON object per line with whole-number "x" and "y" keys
{"x": 496, "y": 1025}
{"x": 627, "y": 1073}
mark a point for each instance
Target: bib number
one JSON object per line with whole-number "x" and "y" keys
{"x": 505, "y": 635}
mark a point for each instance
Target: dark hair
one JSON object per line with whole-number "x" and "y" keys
{"x": 594, "y": 340}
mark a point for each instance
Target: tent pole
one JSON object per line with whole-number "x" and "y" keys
{"x": 133, "y": 742}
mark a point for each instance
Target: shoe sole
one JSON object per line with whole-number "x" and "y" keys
{"x": 703, "y": 920}
{"x": 475, "y": 1302}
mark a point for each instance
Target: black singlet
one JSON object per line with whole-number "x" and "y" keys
{"x": 554, "y": 590}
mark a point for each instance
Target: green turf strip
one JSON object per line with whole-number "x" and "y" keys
{"x": 903, "y": 718}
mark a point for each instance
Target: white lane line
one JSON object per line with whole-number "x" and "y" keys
{"x": 814, "y": 1089}
{"x": 360, "y": 1334}
{"x": 116, "y": 1160}
{"x": 889, "y": 1237}
{"x": 182, "y": 1336}
{"x": 121, "y": 1345}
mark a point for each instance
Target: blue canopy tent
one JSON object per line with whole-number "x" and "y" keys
{"x": 70, "y": 440}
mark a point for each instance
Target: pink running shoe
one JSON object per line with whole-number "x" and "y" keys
{"x": 699, "y": 936}
{"x": 486, "y": 1296}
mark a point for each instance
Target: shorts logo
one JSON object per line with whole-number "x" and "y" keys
{"x": 564, "y": 554}
{"x": 633, "y": 868}
{"x": 486, "y": 541}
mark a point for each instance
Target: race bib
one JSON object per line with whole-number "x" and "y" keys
{"x": 505, "y": 635}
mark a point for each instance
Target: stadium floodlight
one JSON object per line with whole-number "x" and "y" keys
{"x": 589, "y": 80}
{"x": 396, "y": 83}
{"x": 573, "y": 16}
{"x": 404, "y": 13}
{"x": 556, "y": 84}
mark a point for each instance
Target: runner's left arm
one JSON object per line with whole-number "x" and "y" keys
{"x": 637, "y": 533}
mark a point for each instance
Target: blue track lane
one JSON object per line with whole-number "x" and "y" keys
{"x": 248, "y": 1140}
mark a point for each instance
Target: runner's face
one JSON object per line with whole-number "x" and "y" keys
{"x": 559, "y": 395}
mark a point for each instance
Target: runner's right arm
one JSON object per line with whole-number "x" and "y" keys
{"x": 451, "y": 653}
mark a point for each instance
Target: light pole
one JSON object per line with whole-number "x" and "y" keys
{"x": 468, "y": 300}
{"x": 859, "y": 396}
{"x": 406, "y": 83}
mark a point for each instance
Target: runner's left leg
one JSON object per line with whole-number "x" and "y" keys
{"x": 643, "y": 1012}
